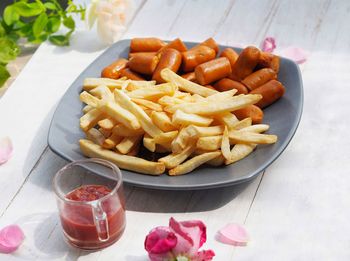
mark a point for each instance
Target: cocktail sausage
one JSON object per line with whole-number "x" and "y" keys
{"x": 251, "y": 111}
{"x": 230, "y": 54}
{"x": 210, "y": 42}
{"x": 246, "y": 62}
{"x": 213, "y": 70}
{"x": 190, "y": 76}
{"x": 228, "y": 84}
{"x": 131, "y": 75}
{"x": 259, "y": 78}
{"x": 113, "y": 70}
{"x": 196, "y": 56}
{"x": 176, "y": 44}
{"x": 151, "y": 44}
{"x": 145, "y": 64}
{"x": 270, "y": 91}
{"x": 170, "y": 58}
{"x": 269, "y": 60}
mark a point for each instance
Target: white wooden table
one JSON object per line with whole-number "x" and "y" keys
{"x": 298, "y": 209}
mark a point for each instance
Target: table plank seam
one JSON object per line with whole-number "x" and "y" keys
{"x": 223, "y": 19}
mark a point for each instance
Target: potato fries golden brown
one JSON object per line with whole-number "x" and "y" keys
{"x": 189, "y": 123}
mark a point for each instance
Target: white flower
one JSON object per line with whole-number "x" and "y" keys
{"x": 112, "y": 17}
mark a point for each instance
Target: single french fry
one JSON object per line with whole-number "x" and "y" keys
{"x": 126, "y": 145}
{"x": 242, "y": 124}
{"x": 185, "y": 85}
{"x": 124, "y": 131}
{"x": 87, "y": 108}
{"x": 89, "y": 99}
{"x": 90, "y": 119}
{"x": 91, "y": 83}
{"x": 185, "y": 119}
{"x": 193, "y": 163}
{"x": 221, "y": 95}
{"x": 102, "y": 92}
{"x": 210, "y": 107}
{"x": 92, "y": 150}
{"x": 173, "y": 160}
{"x": 143, "y": 118}
{"x": 180, "y": 95}
{"x": 225, "y": 144}
{"x": 162, "y": 121}
{"x": 107, "y": 123}
{"x": 170, "y": 100}
{"x": 148, "y": 104}
{"x": 196, "y": 131}
{"x": 112, "y": 141}
{"x": 155, "y": 92}
{"x": 257, "y": 128}
{"x": 180, "y": 142}
{"x": 240, "y": 151}
{"x": 166, "y": 137}
{"x": 149, "y": 143}
{"x": 227, "y": 119}
{"x": 209, "y": 143}
{"x": 135, "y": 85}
{"x": 251, "y": 137}
{"x": 95, "y": 136}
{"x": 121, "y": 115}
{"x": 198, "y": 98}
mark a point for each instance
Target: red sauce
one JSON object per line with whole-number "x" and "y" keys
{"x": 77, "y": 219}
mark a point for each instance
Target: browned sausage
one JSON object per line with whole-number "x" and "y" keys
{"x": 131, "y": 75}
{"x": 113, "y": 70}
{"x": 196, "y": 56}
{"x": 246, "y": 62}
{"x": 176, "y": 44}
{"x": 269, "y": 60}
{"x": 190, "y": 76}
{"x": 151, "y": 44}
{"x": 259, "y": 78}
{"x": 213, "y": 70}
{"x": 141, "y": 53}
{"x": 230, "y": 54}
{"x": 270, "y": 91}
{"x": 170, "y": 58}
{"x": 209, "y": 86}
{"x": 145, "y": 64}
{"x": 210, "y": 42}
{"x": 228, "y": 84}
{"x": 251, "y": 111}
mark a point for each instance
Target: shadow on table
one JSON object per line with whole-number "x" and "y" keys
{"x": 170, "y": 201}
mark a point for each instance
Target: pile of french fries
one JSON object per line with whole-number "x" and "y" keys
{"x": 190, "y": 123}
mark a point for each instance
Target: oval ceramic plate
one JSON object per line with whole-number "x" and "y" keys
{"x": 282, "y": 116}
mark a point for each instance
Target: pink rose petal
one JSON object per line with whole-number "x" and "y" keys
{"x": 233, "y": 234}
{"x": 204, "y": 255}
{"x": 160, "y": 240}
{"x": 6, "y": 150}
{"x": 268, "y": 45}
{"x": 11, "y": 237}
{"x": 296, "y": 54}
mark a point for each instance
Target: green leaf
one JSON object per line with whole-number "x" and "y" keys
{"x": 69, "y": 23}
{"x": 8, "y": 50}
{"x": 2, "y": 30}
{"x": 40, "y": 24}
{"x": 28, "y": 10}
{"x": 4, "y": 75}
{"x": 50, "y": 6}
{"x": 26, "y": 30}
{"x": 10, "y": 15}
{"x": 54, "y": 24}
{"x": 60, "y": 40}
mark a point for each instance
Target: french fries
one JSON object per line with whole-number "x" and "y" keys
{"x": 192, "y": 124}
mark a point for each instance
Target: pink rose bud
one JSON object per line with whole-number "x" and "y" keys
{"x": 268, "y": 45}
{"x": 11, "y": 237}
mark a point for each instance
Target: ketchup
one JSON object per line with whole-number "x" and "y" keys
{"x": 78, "y": 220}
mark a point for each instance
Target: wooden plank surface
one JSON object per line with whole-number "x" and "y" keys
{"x": 295, "y": 212}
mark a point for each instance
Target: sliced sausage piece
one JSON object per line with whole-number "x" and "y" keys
{"x": 196, "y": 56}
{"x": 151, "y": 44}
{"x": 113, "y": 70}
{"x": 213, "y": 70}
{"x": 170, "y": 58}
{"x": 141, "y": 53}
{"x": 269, "y": 60}
{"x": 131, "y": 75}
{"x": 191, "y": 76}
{"x": 246, "y": 62}
{"x": 259, "y": 78}
{"x": 176, "y": 44}
{"x": 270, "y": 91}
{"x": 228, "y": 84}
{"x": 145, "y": 64}
{"x": 230, "y": 54}
{"x": 251, "y": 111}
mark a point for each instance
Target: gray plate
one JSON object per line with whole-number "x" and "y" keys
{"x": 282, "y": 116}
